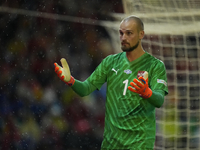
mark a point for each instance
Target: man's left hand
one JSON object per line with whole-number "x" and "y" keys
{"x": 141, "y": 87}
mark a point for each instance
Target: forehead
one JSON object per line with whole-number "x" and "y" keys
{"x": 128, "y": 25}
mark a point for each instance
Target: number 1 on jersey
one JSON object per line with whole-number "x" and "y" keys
{"x": 126, "y": 86}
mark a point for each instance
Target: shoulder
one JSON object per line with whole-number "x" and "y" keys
{"x": 154, "y": 60}
{"x": 113, "y": 57}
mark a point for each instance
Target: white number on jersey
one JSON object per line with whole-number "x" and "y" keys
{"x": 126, "y": 86}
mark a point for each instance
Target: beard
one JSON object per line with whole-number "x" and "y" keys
{"x": 124, "y": 49}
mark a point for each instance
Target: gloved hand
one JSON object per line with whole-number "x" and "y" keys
{"x": 64, "y": 72}
{"x": 141, "y": 87}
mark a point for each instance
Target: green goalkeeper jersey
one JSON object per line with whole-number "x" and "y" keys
{"x": 129, "y": 119}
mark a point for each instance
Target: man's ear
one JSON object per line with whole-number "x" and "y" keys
{"x": 141, "y": 34}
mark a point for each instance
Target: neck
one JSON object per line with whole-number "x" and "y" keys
{"x": 135, "y": 54}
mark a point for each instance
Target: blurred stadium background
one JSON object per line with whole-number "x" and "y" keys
{"x": 38, "y": 111}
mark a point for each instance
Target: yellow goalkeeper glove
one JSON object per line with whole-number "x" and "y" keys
{"x": 64, "y": 72}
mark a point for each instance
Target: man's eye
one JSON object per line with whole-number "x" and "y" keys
{"x": 129, "y": 33}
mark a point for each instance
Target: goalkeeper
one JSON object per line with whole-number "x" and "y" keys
{"x": 136, "y": 85}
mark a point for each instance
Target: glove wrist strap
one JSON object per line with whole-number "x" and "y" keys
{"x": 147, "y": 94}
{"x": 71, "y": 81}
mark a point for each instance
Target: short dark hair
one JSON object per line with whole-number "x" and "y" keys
{"x": 138, "y": 21}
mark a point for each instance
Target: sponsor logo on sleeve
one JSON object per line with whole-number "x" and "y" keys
{"x": 162, "y": 81}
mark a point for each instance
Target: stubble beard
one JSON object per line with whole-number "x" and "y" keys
{"x": 131, "y": 48}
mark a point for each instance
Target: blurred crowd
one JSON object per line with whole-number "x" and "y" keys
{"x": 37, "y": 110}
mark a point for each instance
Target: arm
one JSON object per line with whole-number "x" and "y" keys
{"x": 83, "y": 88}
{"x": 157, "y": 98}
{"x": 140, "y": 86}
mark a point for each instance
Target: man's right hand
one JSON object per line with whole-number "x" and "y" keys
{"x": 64, "y": 72}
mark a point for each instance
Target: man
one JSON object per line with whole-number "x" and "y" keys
{"x": 130, "y": 114}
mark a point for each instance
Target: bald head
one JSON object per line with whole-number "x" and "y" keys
{"x": 140, "y": 25}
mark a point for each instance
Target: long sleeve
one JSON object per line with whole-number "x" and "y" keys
{"x": 83, "y": 88}
{"x": 157, "y": 98}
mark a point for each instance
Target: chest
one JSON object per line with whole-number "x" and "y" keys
{"x": 121, "y": 74}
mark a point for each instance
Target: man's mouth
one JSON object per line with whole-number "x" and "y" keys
{"x": 124, "y": 43}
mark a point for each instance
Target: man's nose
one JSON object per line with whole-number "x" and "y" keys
{"x": 123, "y": 37}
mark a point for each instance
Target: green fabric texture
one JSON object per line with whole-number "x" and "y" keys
{"x": 130, "y": 121}
{"x": 157, "y": 98}
{"x": 83, "y": 88}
